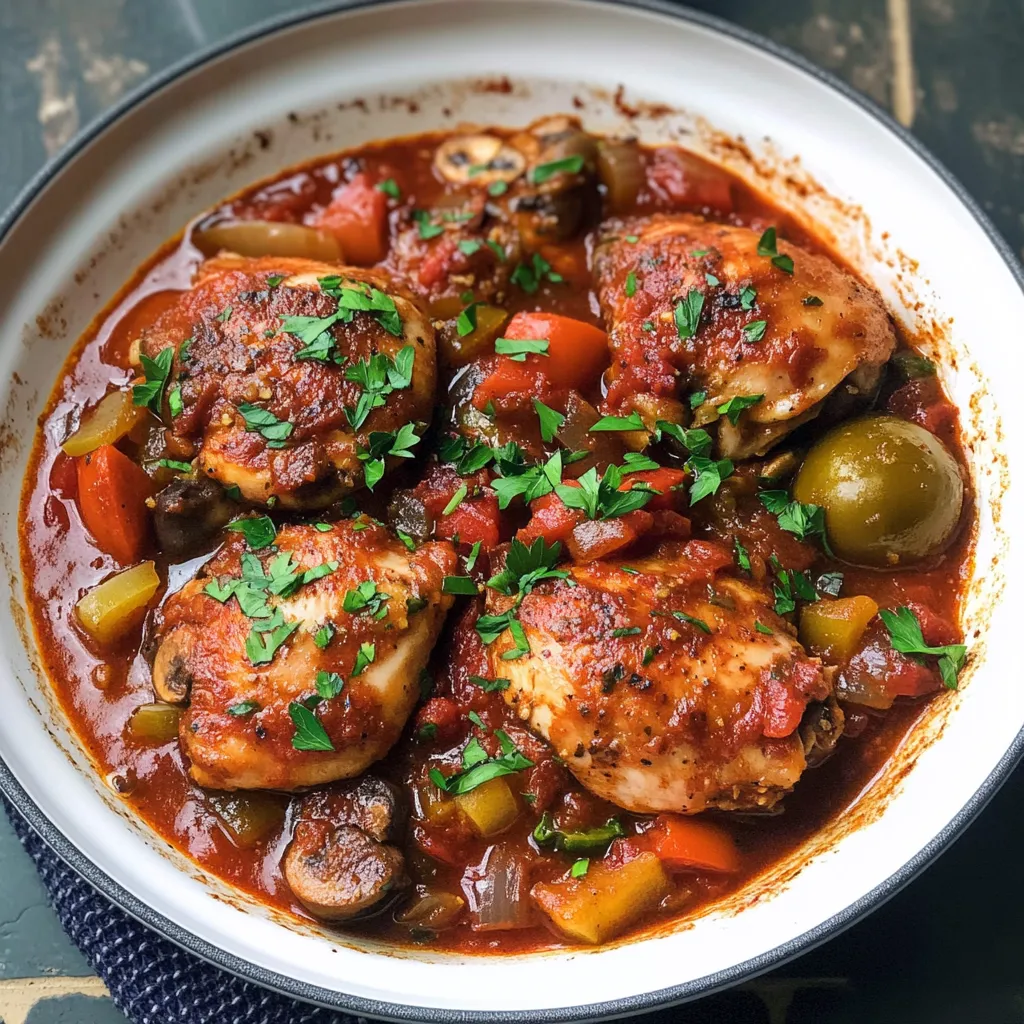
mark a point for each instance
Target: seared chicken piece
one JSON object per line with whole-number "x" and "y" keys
{"x": 673, "y": 688}
{"x": 793, "y": 338}
{"x": 302, "y": 658}
{"x": 276, "y": 414}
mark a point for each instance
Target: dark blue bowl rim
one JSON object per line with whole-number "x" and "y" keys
{"x": 659, "y": 998}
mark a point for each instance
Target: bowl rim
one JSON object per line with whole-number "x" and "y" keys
{"x": 659, "y": 998}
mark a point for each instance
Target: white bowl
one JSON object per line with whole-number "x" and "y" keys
{"x": 319, "y": 82}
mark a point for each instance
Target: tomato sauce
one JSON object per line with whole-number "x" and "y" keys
{"x": 100, "y": 686}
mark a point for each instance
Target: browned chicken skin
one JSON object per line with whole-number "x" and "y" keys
{"x": 665, "y": 688}
{"x": 240, "y": 366}
{"x": 808, "y": 333}
{"x": 240, "y": 729}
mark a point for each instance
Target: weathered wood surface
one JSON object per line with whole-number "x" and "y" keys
{"x": 946, "y": 949}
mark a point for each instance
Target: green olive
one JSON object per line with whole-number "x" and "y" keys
{"x": 891, "y": 491}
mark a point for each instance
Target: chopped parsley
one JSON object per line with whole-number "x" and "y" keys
{"x": 697, "y": 399}
{"x": 760, "y": 628}
{"x": 789, "y": 587}
{"x": 175, "y": 464}
{"x": 324, "y": 635}
{"x": 811, "y": 300}
{"x": 567, "y": 165}
{"x": 550, "y": 420}
{"x": 906, "y": 638}
{"x": 365, "y": 657}
{"x": 309, "y": 733}
{"x": 803, "y": 521}
{"x": 528, "y": 482}
{"x": 735, "y": 405}
{"x": 600, "y": 837}
{"x": 151, "y": 394}
{"x": 175, "y": 405}
{"x": 600, "y": 497}
{"x": 610, "y": 423}
{"x": 490, "y": 685}
{"x": 768, "y": 246}
{"x": 383, "y": 444}
{"x": 366, "y": 598}
{"x": 518, "y": 349}
{"x": 263, "y": 422}
{"x": 747, "y": 297}
{"x": 530, "y": 275}
{"x": 329, "y": 684}
{"x": 456, "y": 500}
{"x": 692, "y": 621}
{"x": 378, "y": 376}
{"x": 580, "y": 868}
{"x": 462, "y": 585}
{"x": 742, "y": 555}
{"x": 243, "y": 708}
{"x": 478, "y": 767}
{"x": 626, "y": 631}
{"x": 687, "y": 313}
{"x": 497, "y": 188}
{"x": 389, "y": 187}
{"x": 630, "y": 285}
{"x": 466, "y": 320}
{"x": 754, "y": 331}
{"x": 474, "y": 554}
{"x": 467, "y": 456}
{"x": 259, "y": 531}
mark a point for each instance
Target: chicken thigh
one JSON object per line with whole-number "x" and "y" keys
{"x": 724, "y": 315}
{"x": 302, "y": 659}
{"x": 663, "y": 685}
{"x": 284, "y": 369}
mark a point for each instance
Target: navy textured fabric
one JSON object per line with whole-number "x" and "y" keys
{"x": 152, "y": 981}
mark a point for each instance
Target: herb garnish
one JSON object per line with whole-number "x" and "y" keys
{"x": 567, "y": 165}
{"x": 768, "y": 246}
{"x": 517, "y": 349}
{"x": 490, "y": 685}
{"x": 309, "y": 733}
{"x": 151, "y": 394}
{"x": 906, "y": 638}
{"x": 383, "y": 444}
{"x": 754, "y": 331}
{"x": 801, "y": 520}
{"x": 367, "y": 598}
{"x": 546, "y": 834}
{"x": 259, "y": 531}
{"x": 625, "y": 423}
{"x": 263, "y": 422}
{"x": 600, "y": 498}
{"x": 687, "y": 313}
{"x": 735, "y": 405}
{"x": 550, "y": 420}
{"x": 478, "y": 767}
{"x": 378, "y": 376}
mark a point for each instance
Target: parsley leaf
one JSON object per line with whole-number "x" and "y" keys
{"x": 567, "y": 165}
{"x": 366, "y": 598}
{"x": 747, "y": 297}
{"x": 754, "y": 331}
{"x": 528, "y": 482}
{"x": 467, "y": 456}
{"x": 518, "y": 349}
{"x": 803, "y": 521}
{"x": 708, "y": 475}
{"x": 742, "y": 555}
{"x": 151, "y": 394}
{"x": 309, "y": 733}
{"x": 329, "y": 684}
{"x": 630, "y": 285}
{"x": 768, "y": 246}
{"x": 456, "y": 500}
{"x": 690, "y": 620}
{"x": 462, "y": 585}
{"x": 687, "y": 313}
{"x": 477, "y": 770}
{"x": 600, "y": 498}
{"x": 735, "y": 405}
{"x": 265, "y": 423}
{"x": 259, "y": 531}
{"x": 906, "y": 637}
{"x": 610, "y": 423}
{"x": 365, "y": 657}
{"x": 550, "y": 420}
{"x": 490, "y": 685}
{"x": 378, "y": 376}
{"x": 382, "y": 444}
{"x": 243, "y": 708}
{"x": 389, "y": 187}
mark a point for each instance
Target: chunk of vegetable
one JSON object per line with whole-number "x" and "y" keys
{"x": 114, "y": 416}
{"x": 111, "y": 609}
{"x": 621, "y": 170}
{"x": 434, "y": 909}
{"x": 154, "y": 723}
{"x": 832, "y": 629}
{"x": 498, "y": 891}
{"x": 684, "y": 844}
{"x": 606, "y": 900}
{"x": 577, "y": 352}
{"x": 112, "y": 493}
{"x": 268, "y": 238}
{"x": 357, "y": 216}
{"x": 594, "y": 539}
{"x": 247, "y": 817}
{"x": 437, "y": 806}
{"x": 460, "y": 349}
{"x": 490, "y": 808}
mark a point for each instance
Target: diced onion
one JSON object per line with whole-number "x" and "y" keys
{"x": 154, "y": 723}
{"x": 434, "y": 909}
{"x": 267, "y": 238}
{"x": 111, "y": 609}
{"x": 498, "y": 891}
{"x": 114, "y": 416}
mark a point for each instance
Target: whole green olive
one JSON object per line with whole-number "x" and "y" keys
{"x": 891, "y": 491}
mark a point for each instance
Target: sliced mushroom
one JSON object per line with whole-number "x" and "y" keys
{"x": 478, "y": 159}
{"x": 371, "y": 804}
{"x": 820, "y": 730}
{"x": 172, "y": 677}
{"x": 189, "y": 511}
{"x": 340, "y": 863}
{"x": 338, "y": 872}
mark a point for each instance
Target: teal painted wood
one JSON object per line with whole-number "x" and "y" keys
{"x": 75, "y": 1010}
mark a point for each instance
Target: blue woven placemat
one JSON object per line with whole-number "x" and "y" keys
{"x": 151, "y": 980}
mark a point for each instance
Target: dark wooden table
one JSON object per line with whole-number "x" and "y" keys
{"x": 948, "y": 948}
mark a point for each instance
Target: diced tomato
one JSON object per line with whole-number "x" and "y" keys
{"x": 783, "y": 708}
{"x": 357, "y": 216}
{"x": 436, "y": 264}
{"x": 577, "y": 352}
{"x": 509, "y": 385}
{"x": 446, "y": 848}
{"x": 594, "y": 539}
{"x": 443, "y": 713}
{"x": 476, "y": 519}
{"x": 679, "y": 178}
{"x": 112, "y": 493}
{"x": 550, "y": 519}
{"x": 922, "y": 402}
{"x": 670, "y": 524}
{"x": 663, "y": 480}
{"x": 682, "y": 844}
{"x": 705, "y": 557}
